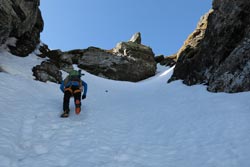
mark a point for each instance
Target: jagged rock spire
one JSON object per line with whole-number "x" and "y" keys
{"x": 136, "y": 38}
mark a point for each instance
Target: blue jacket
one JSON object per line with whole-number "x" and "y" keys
{"x": 72, "y": 83}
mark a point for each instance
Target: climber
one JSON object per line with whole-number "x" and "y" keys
{"x": 72, "y": 85}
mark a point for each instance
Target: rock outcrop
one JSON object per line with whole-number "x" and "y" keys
{"x": 166, "y": 60}
{"x": 219, "y": 56}
{"x": 191, "y": 43}
{"x": 50, "y": 69}
{"x": 136, "y": 38}
{"x": 128, "y": 61}
{"x": 47, "y": 71}
{"x": 20, "y": 20}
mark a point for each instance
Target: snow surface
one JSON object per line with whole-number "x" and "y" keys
{"x": 122, "y": 124}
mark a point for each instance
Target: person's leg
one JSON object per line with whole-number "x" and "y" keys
{"x": 66, "y": 100}
{"x": 77, "y": 98}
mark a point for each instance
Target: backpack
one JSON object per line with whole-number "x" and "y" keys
{"x": 75, "y": 76}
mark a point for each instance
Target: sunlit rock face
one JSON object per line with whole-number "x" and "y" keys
{"x": 221, "y": 57}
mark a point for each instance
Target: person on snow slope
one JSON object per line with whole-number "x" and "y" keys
{"x": 72, "y": 85}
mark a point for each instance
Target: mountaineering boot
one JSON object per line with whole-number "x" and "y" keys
{"x": 78, "y": 107}
{"x": 65, "y": 114}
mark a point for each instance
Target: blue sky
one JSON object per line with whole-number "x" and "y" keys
{"x": 78, "y": 24}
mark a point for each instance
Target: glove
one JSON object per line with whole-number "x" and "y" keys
{"x": 83, "y": 96}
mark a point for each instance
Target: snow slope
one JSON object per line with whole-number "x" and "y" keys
{"x": 123, "y": 124}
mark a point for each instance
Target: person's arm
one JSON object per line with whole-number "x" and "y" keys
{"x": 85, "y": 89}
{"x": 62, "y": 86}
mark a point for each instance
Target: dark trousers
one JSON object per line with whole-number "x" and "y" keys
{"x": 69, "y": 92}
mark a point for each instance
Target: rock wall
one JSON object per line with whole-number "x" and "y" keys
{"x": 221, "y": 58}
{"x": 128, "y": 61}
{"x": 20, "y": 20}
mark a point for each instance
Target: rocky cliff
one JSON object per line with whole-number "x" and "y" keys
{"x": 128, "y": 61}
{"x": 220, "y": 55}
{"x": 20, "y": 25}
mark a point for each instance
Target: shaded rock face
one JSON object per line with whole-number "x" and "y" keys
{"x": 20, "y": 19}
{"x": 221, "y": 58}
{"x": 128, "y": 61}
{"x": 50, "y": 70}
{"x": 105, "y": 64}
{"x": 47, "y": 71}
{"x": 166, "y": 60}
{"x": 1, "y": 70}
